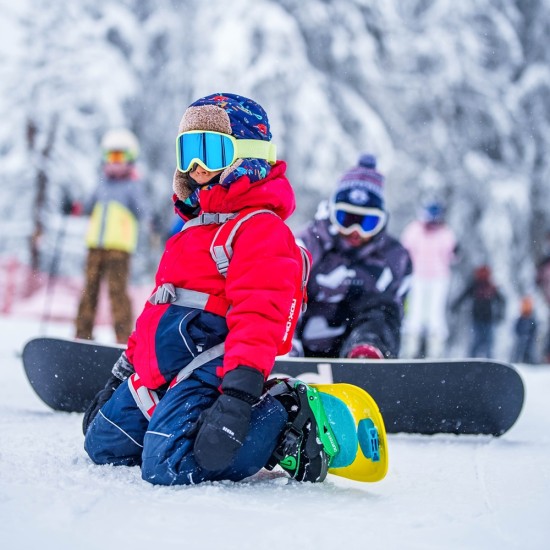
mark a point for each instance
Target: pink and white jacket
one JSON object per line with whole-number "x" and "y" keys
{"x": 431, "y": 247}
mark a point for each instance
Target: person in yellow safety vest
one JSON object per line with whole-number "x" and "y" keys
{"x": 116, "y": 207}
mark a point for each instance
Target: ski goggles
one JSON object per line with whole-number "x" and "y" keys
{"x": 349, "y": 218}
{"x": 215, "y": 151}
{"x": 117, "y": 157}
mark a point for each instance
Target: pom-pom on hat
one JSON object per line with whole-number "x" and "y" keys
{"x": 361, "y": 186}
{"x": 229, "y": 114}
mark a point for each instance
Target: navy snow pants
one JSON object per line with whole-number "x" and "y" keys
{"x": 121, "y": 434}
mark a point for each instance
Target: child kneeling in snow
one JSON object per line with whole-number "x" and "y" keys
{"x": 187, "y": 400}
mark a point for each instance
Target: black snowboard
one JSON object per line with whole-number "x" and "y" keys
{"x": 465, "y": 396}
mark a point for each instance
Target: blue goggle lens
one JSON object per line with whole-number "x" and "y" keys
{"x": 214, "y": 150}
{"x": 367, "y": 222}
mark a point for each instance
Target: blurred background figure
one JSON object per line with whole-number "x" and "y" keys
{"x": 543, "y": 282}
{"x": 487, "y": 309}
{"x": 432, "y": 246}
{"x": 525, "y": 330}
{"x": 116, "y": 207}
{"x": 360, "y": 273}
{"x": 175, "y": 227}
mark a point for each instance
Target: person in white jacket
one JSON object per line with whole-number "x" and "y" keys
{"x": 431, "y": 244}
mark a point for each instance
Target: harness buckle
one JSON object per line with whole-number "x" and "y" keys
{"x": 208, "y": 218}
{"x": 165, "y": 294}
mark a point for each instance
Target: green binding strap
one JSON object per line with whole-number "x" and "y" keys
{"x": 326, "y": 435}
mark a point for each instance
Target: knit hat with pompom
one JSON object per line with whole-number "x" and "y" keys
{"x": 362, "y": 185}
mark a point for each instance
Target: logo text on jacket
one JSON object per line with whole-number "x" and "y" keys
{"x": 290, "y": 318}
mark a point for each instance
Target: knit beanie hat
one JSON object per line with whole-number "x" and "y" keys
{"x": 228, "y": 114}
{"x": 433, "y": 212}
{"x": 362, "y": 185}
{"x": 482, "y": 273}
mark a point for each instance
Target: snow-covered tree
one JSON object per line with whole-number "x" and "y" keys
{"x": 451, "y": 97}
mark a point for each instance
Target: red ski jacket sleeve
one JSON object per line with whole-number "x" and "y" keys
{"x": 261, "y": 288}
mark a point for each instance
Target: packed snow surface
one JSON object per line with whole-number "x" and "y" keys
{"x": 440, "y": 492}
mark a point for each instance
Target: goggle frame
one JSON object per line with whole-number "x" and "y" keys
{"x": 242, "y": 148}
{"x": 359, "y": 211}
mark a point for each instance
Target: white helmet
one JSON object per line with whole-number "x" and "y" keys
{"x": 121, "y": 139}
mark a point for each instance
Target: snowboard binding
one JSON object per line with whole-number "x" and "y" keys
{"x": 308, "y": 444}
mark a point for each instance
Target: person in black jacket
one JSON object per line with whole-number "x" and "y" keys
{"x": 487, "y": 309}
{"x": 360, "y": 275}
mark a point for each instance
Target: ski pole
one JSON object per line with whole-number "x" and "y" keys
{"x": 52, "y": 272}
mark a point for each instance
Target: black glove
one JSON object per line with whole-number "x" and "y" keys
{"x": 224, "y": 426}
{"x": 121, "y": 370}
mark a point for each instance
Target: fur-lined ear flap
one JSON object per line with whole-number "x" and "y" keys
{"x": 180, "y": 185}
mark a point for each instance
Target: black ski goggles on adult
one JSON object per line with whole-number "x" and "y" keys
{"x": 216, "y": 151}
{"x": 349, "y": 218}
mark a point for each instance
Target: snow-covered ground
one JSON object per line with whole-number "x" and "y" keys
{"x": 443, "y": 492}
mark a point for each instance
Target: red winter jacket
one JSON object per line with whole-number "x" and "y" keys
{"x": 261, "y": 280}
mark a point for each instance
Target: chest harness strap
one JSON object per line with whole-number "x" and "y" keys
{"x": 209, "y": 218}
{"x": 222, "y": 253}
{"x": 167, "y": 293}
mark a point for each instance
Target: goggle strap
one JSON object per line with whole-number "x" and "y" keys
{"x": 255, "y": 148}
{"x": 354, "y": 209}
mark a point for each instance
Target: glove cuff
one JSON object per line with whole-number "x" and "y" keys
{"x": 245, "y": 383}
{"x": 361, "y": 336}
{"x": 122, "y": 369}
{"x": 365, "y": 351}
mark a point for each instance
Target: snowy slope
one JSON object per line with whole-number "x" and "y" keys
{"x": 441, "y": 492}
